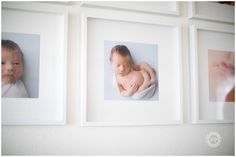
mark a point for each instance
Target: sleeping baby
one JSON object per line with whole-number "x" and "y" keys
{"x": 131, "y": 79}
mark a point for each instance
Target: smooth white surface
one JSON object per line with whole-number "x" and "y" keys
{"x": 71, "y": 139}
{"x": 49, "y": 107}
{"x": 96, "y": 109}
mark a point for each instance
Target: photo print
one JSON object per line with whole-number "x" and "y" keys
{"x": 130, "y": 71}
{"x": 221, "y": 71}
{"x": 20, "y": 65}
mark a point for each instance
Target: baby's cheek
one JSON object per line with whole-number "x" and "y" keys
{"x": 3, "y": 69}
{"x": 19, "y": 72}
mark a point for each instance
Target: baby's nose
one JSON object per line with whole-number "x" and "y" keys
{"x": 122, "y": 68}
{"x": 9, "y": 67}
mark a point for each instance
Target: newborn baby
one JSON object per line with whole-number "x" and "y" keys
{"x": 12, "y": 70}
{"x": 130, "y": 78}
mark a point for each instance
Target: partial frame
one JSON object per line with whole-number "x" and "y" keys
{"x": 209, "y": 11}
{"x": 171, "y": 8}
{"x": 49, "y": 108}
{"x": 194, "y": 74}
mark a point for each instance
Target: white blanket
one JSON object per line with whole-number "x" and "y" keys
{"x": 145, "y": 94}
{"x": 14, "y": 90}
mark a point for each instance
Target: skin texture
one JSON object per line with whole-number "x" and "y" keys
{"x": 12, "y": 66}
{"x": 131, "y": 78}
{"x": 221, "y": 75}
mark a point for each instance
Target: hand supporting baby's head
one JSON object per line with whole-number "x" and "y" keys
{"x": 121, "y": 60}
{"x": 12, "y": 62}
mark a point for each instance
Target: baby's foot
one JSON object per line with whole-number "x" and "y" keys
{"x": 152, "y": 81}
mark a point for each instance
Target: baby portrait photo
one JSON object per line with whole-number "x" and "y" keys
{"x": 20, "y": 65}
{"x": 221, "y": 76}
{"x": 130, "y": 71}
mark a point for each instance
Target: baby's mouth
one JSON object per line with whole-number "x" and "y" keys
{"x": 8, "y": 75}
{"x": 122, "y": 73}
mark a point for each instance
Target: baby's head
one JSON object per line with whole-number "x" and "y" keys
{"x": 121, "y": 60}
{"x": 12, "y": 62}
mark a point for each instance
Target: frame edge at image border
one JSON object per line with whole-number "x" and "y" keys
{"x": 41, "y": 8}
{"x": 194, "y": 74}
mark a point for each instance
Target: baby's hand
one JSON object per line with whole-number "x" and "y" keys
{"x": 130, "y": 91}
{"x": 133, "y": 87}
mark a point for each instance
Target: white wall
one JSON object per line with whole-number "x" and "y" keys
{"x": 72, "y": 139}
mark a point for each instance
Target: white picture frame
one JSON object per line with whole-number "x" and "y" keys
{"x": 49, "y": 108}
{"x": 203, "y": 39}
{"x": 171, "y": 8}
{"x": 95, "y": 111}
{"x": 210, "y": 11}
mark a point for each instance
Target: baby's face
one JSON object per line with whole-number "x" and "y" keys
{"x": 221, "y": 64}
{"x": 12, "y": 66}
{"x": 121, "y": 65}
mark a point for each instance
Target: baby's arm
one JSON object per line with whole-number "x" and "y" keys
{"x": 133, "y": 88}
{"x": 150, "y": 71}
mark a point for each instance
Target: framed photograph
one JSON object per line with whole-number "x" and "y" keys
{"x": 33, "y": 65}
{"x": 125, "y": 76}
{"x": 210, "y": 11}
{"x": 212, "y": 74}
{"x": 166, "y": 8}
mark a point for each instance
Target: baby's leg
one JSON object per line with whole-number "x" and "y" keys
{"x": 146, "y": 81}
{"x": 150, "y": 71}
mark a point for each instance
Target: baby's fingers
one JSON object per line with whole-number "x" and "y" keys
{"x": 132, "y": 85}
